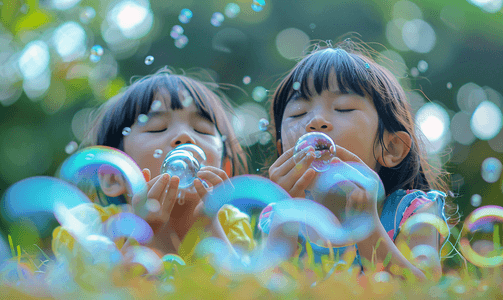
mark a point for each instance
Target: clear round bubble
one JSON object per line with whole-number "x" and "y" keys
{"x": 224, "y": 138}
{"x": 181, "y": 42}
{"x": 449, "y": 85}
{"x": 422, "y": 66}
{"x": 475, "y": 200}
{"x": 87, "y": 14}
{"x": 185, "y": 16}
{"x": 128, "y": 225}
{"x": 176, "y": 31}
{"x": 142, "y": 119}
{"x": 246, "y": 80}
{"x": 259, "y": 94}
{"x": 414, "y": 72}
{"x": 156, "y": 105}
{"x": 258, "y": 5}
{"x": 321, "y": 144}
{"x": 312, "y": 26}
{"x": 184, "y": 161}
{"x": 158, "y": 153}
{"x": 296, "y": 86}
{"x": 97, "y": 50}
{"x": 149, "y": 60}
{"x": 262, "y": 124}
{"x": 483, "y": 222}
{"x": 94, "y": 58}
{"x": 217, "y": 19}
{"x": 187, "y": 101}
{"x": 71, "y": 147}
{"x": 126, "y": 131}
{"x": 491, "y": 169}
{"x": 232, "y": 10}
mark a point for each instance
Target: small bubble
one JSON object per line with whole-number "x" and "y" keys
{"x": 142, "y": 119}
{"x": 24, "y": 9}
{"x": 422, "y": 66}
{"x": 176, "y": 31}
{"x": 449, "y": 85}
{"x": 258, "y": 5}
{"x": 246, "y": 80}
{"x": 153, "y": 205}
{"x": 264, "y": 138}
{"x": 156, "y": 105}
{"x": 491, "y": 169}
{"x": 259, "y": 94}
{"x": 94, "y": 58}
{"x": 367, "y": 66}
{"x": 158, "y": 153}
{"x": 89, "y": 156}
{"x": 181, "y": 42}
{"x": 71, "y": 147}
{"x": 87, "y": 14}
{"x": 262, "y": 124}
{"x": 257, "y": 170}
{"x": 149, "y": 60}
{"x": 232, "y": 10}
{"x": 414, "y": 72}
{"x": 126, "y": 131}
{"x": 296, "y": 86}
{"x": 224, "y": 138}
{"x": 97, "y": 50}
{"x": 185, "y": 16}
{"x": 187, "y": 101}
{"x": 217, "y": 19}
{"x": 476, "y": 200}
{"x": 312, "y": 26}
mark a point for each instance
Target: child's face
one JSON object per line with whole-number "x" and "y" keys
{"x": 350, "y": 120}
{"x": 167, "y": 129}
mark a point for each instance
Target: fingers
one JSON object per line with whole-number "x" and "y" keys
{"x": 301, "y": 185}
{"x": 300, "y": 169}
{"x": 284, "y": 157}
{"x": 346, "y": 155}
{"x": 213, "y": 175}
{"x": 146, "y": 174}
{"x": 157, "y": 186}
{"x": 200, "y": 189}
{"x": 169, "y": 200}
{"x": 283, "y": 169}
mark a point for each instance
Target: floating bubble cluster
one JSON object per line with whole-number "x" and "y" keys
{"x": 71, "y": 147}
{"x": 259, "y": 94}
{"x": 217, "y": 19}
{"x": 491, "y": 169}
{"x": 185, "y": 16}
{"x": 262, "y": 124}
{"x": 96, "y": 53}
{"x": 184, "y": 161}
{"x": 176, "y": 32}
{"x": 258, "y": 5}
{"x": 232, "y": 10}
{"x": 149, "y": 60}
{"x": 321, "y": 144}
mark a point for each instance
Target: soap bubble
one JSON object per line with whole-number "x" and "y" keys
{"x": 87, "y": 14}
{"x": 246, "y": 80}
{"x": 71, "y": 147}
{"x": 171, "y": 263}
{"x": 142, "y": 119}
{"x": 422, "y": 66}
{"x": 232, "y": 10}
{"x": 185, "y": 16}
{"x": 258, "y": 5}
{"x": 262, "y": 124}
{"x": 97, "y": 50}
{"x": 296, "y": 86}
{"x": 181, "y": 42}
{"x": 414, "y": 72}
{"x": 157, "y": 153}
{"x": 126, "y": 131}
{"x": 486, "y": 220}
{"x": 128, "y": 225}
{"x": 449, "y": 85}
{"x": 108, "y": 165}
{"x": 149, "y": 60}
{"x": 217, "y": 19}
{"x": 491, "y": 169}
{"x": 94, "y": 58}
{"x": 156, "y": 105}
{"x": 476, "y": 200}
{"x": 101, "y": 250}
{"x": 176, "y": 31}
{"x": 146, "y": 257}
{"x": 321, "y": 144}
{"x": 184, "y": 161}
{"x": 259, "y": 94}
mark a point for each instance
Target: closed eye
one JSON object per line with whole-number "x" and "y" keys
{"x": 155, "y": 131}
{"x": 201, "y": 132}
{"x": 296, "y": 116}
{"x": 344, "y": 110}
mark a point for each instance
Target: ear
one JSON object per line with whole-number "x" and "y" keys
{"x": 397, "y": 147}
{"x": 227, "y": 166}
{"x": 279, "y": 147}
{"x": 112, "y": 183}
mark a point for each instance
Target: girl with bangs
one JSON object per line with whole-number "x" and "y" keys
{"x": 163, "y": 111}
{"x": 342, "y": 92}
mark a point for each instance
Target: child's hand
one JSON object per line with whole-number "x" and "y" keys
{"x": 294, "y": 177}
{"x": 211, "y": 175}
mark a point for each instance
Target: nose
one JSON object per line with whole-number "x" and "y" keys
{"x": 180, "y": 138}
{"x": 319, "y": 123}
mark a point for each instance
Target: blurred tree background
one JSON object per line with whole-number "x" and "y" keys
{"x": 447, "y": 54}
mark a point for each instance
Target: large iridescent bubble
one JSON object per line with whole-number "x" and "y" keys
{"x": 485, "y": 220}
{"x": 321, "y": 144}
{"x": 130, "y": 226}
{"x": 107, "y": 176}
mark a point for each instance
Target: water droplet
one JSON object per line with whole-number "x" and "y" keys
{"x": 87, "y": 14}
{"x": 156, "y": 105}
{"x": 246, "y": 80}
{"x": 232, "y": 10}
{"x": 176, "y": 31}
{"x": 262, "y": 124}
{"x": 149, "y": 60}
{"x": 181, "y": 42}
{"x": 217, "y": 19}
{"x": 476, "y": 200}
{"x": 126, "y": 131}
{"x": 491, "y": 169}
{"x": 258, "y": 5}
{"x": 89, "y": 156}
{"x": 259, "y": 94}
{"x": 422, "y": 66}
{"x": 312, "y": 26}
{"x": 257, "y": 170}
{"x": 367, "y": 66}
{"x": 158, "y": 153}
{"x": 71, "y": 147}
{"x": 296, "y": 86}
{"x": 185, "y": 16}
{"x": 414, "y": 72}
{"x": 449, "y": 85}
{"x": 97, "y": 50}
{"x": 142, "y": 119}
